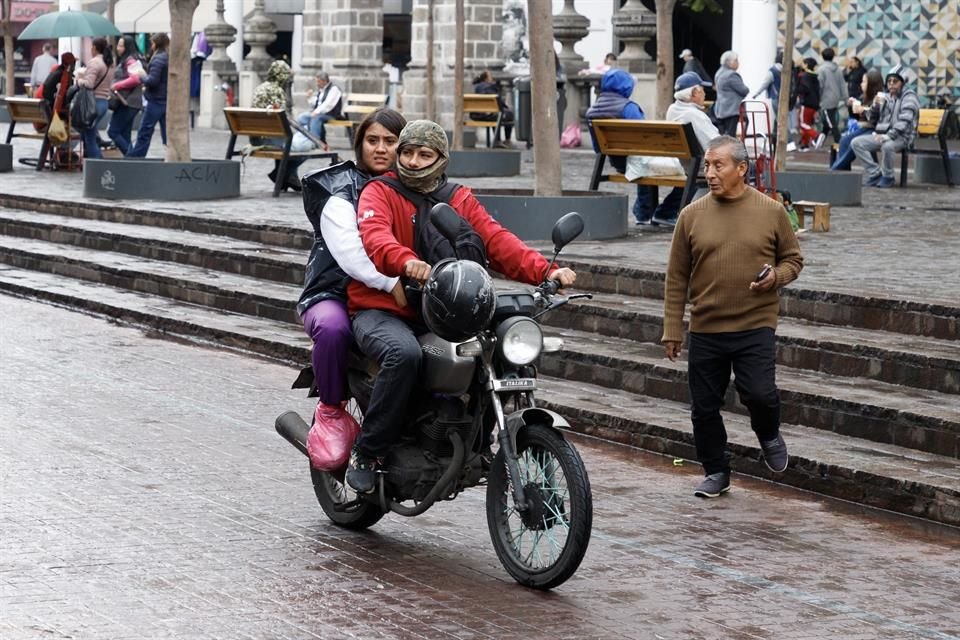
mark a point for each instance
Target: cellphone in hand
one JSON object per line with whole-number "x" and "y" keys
{"x": 763, "y": 273}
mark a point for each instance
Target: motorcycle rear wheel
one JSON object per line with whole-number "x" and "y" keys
{"x": 543, "y": 547}
{"x": 333, "y": 492}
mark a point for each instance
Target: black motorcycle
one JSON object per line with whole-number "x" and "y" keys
{"x": 474, "y": 421}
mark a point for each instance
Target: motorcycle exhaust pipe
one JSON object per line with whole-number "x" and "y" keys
{"x": 294, "y": 430}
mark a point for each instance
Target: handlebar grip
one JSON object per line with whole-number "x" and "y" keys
{"x": 550, "y": 287}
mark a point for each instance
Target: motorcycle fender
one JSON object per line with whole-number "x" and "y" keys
{"x": 534, "y": 415}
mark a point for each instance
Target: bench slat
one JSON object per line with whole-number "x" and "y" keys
{"x": 643, "y": 138}
{"x": 480, "y": 103}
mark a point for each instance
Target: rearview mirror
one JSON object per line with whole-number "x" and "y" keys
{"x": 566, "y": 229}
{"x": 446, "y": 220}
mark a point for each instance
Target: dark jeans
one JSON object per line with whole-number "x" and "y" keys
{"x": 728, "y": 125}
{"x": 89, "y": 136}
{"x": 646, "y": 208}
{"x": 752, "y": 355}
{"x": 153, "y": 114}
{"x": 392, "y": 342}
{"x": 121, "y": 124}
{"x": 831, "y": 123}
{"x": 845, "y": 155}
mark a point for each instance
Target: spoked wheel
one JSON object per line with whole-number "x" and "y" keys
{"x": 542, "y": 546}
{"x": 333, "y": 493}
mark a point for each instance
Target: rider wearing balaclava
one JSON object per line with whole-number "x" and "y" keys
{"x": 423, "y": 133}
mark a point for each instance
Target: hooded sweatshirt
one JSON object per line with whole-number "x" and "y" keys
{"x": 616, "y": 87}
{"x": 899, "y": 115}
{"x": 833, "y": 88}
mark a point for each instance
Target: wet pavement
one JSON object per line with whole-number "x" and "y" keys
{"x": 145, "y": 494}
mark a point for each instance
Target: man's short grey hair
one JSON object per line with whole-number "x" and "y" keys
{"x": 728, "y": 58}
{"x": 684, "y": 95}
{"x": 47, "y": 47}
{"x": 323, "y": 75}
{"x": 737, "y": 150}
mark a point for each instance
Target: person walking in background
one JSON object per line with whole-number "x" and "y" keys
{"x": 808, "y": 100}
{"x": 771, "y": 85}
{"x": 863, "y": 118}
{"x": 833, "y": 93}
{"x": 127, "y": 93}
{"x": 614, "y": 101}
{"x": 327, "y": 103}
{"x": 94, "y": 77}
{"x": 42, "y": 65}
{"x": 854, "y": 76}
{"x": 485, "y": 84}
{"x": 730, "y": 93}
{"x": 720, "y": 243}
{"x": 330, "y": 201}
{"x": 154, "y": 80}
{"x": 690, "y": 63}
{"x": 895, "y": 130}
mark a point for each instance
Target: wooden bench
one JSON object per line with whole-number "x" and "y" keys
{"x": 939, "y": 125}
{"x": 820, "y": 211}
{"x": 356, "y": 106}
{"x": 33, "y": 111}
{"x": 268, "y": 123}
{"x": 483, "y": 103}
{"x": 658, "y": 138}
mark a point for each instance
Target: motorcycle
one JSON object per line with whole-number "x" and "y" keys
{"x": 471, "y": 396}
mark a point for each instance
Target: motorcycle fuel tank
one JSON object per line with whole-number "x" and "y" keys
{"x": 443, "y": 370}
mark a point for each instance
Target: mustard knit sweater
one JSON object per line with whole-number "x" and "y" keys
{"x": 718, "y": 248}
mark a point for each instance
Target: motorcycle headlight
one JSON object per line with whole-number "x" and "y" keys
{"x": 519, "y": 340}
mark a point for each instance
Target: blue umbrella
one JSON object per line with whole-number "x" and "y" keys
{"x": 68, "y": 24}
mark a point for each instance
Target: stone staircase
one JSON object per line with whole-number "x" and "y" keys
{"x": 870, "y": 386}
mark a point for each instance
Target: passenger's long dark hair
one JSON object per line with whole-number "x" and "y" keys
{"x": 390, "y": 119}
{"x": 874, "y": 85}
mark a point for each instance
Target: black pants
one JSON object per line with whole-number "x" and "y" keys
{"x": 392, "y": 342}
{"x": 728, "y": 125}
{"x": 752, "y": 356}
{"x": 831, "y": 123}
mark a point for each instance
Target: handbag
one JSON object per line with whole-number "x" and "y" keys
{"x": 56, "y": 132}
{"x": 116, "y": 101}
{"x": 83, "y": 107}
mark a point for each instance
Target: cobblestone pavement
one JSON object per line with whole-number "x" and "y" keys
{"x": 902, "y": 243}
{"x": 144, "y": 494}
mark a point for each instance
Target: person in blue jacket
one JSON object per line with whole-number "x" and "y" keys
{"x": 614, "y": 101}
{"x": 154, "y": 80}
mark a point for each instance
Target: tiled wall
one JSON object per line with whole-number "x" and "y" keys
{"x": 922, "y": 34}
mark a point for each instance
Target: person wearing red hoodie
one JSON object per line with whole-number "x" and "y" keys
{"x": 386, "y": 330}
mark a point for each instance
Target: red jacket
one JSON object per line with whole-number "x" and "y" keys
{"x": 385, "y": 220}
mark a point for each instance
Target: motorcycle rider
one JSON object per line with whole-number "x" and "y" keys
{"x": 386, "y": 331}
{"x": 329, "y": 199}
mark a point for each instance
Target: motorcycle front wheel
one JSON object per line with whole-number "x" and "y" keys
{"x": 542, "y": 546}
{"x": 333, "y": 493}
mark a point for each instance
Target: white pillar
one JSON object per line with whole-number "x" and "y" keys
{"x": 296, "y": 45}
{"x": 233, "y": 15}
{"x": 755, "y": 38}
{"x": 73, "y": 45}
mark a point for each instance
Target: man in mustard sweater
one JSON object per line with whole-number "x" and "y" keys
{"x": 720, "y": 244}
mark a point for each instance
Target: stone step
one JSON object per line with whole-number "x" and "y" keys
{"x": 220, "y": 252}
{"x": 884, "y": 476}
{"x": 919, "y": 419}
{"x": 911, "y": 360}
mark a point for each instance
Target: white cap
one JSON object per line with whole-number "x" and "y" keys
{"x": 685, "y": 53}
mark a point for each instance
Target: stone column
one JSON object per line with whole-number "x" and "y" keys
{"x": 755, "y": 38}
{"x": 258, "y": 31}
{"x": 219, "y": 72}
{"x": 634, "y": 24}
{"x": 482, "y": 34}
{"x": 351, "y": 49}
{"x": 311, "y": 53}
{"x": 569, "y": 27}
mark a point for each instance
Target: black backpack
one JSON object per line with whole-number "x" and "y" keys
{"x": 431, "y": 246}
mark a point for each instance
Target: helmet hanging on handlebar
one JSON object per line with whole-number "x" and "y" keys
{"x": 458, "y": 300}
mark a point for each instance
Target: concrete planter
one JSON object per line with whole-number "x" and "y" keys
{"x": 930, "y": 169}
{"x": 154, "y": 179}
{"x": 532, "y": 217}
{"x": 839, "y": 188}
{"x": 6, "y": 157}
{"x": 484, "y": 163}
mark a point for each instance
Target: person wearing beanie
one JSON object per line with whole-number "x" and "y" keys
{"x": 386, "y": 330}
{"x": 895, "y": 129}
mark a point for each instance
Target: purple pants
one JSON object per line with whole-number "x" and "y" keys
{"x": 328, "y": 324}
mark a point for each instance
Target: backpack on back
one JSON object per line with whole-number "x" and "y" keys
{"x": 429, "y": 243}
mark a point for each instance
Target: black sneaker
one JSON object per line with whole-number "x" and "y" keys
{"x": 361, "y": 472}
{"x": 713, "y": 486}
{"x": 775, "y": 454}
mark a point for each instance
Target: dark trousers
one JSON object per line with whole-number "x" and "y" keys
{"x": 392, "y": 342}
{"x": 121, "y": 124}
{"x": 831, "y": 123}
{"x": 153, "y": 114}
{"x": 752, "y": 356}
{"x": 728, "y": 125}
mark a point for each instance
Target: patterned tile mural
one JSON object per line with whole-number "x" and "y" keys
{"x": 922, "y": 34}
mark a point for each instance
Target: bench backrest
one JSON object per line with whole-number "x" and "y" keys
{"x": 363, "y": 103}
{"x": 267, "y": 123}
{"x": 660, "y": 138}
{"x": 930, "y": 121}
{"x": 26, "y": 110}
{"x": 480, "y": 103}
